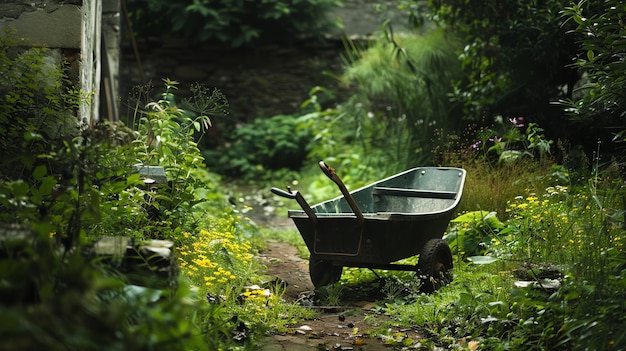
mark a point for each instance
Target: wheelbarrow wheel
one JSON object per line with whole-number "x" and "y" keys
{"x": 323, "y": 272}
{"x": 435, "y": 265}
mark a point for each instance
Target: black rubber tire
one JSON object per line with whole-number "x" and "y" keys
{"x": 435, "y": 265}
{"x": 323, "y": 272}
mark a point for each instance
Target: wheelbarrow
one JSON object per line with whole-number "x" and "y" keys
{"x": 382, "y": 223}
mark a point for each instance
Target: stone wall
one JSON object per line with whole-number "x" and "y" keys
{"x": 72, "y": 31}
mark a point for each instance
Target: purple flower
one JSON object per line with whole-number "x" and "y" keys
{"x": 517, "y": 122}
{"x": 496, "y": 139}
{"x": 476, "y": 145}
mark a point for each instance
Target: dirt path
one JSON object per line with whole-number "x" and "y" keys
{"x": 341, "y": 327}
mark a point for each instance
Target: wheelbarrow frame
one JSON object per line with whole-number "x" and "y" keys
{"x": 395, "y": 222}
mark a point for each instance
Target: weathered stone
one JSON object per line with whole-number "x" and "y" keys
{"x": 112, "y": 246}
{"x": 151, "y": 174}
{"x": 11, "y": 10}
{"x": 63, "y": 24}
{"x": 111, "y": 6}
{"x": 147, "y": 263}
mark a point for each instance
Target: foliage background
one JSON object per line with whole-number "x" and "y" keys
{"x": 234, "y": 23}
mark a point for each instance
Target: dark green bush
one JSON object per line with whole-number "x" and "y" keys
{"x": 599, "y": 107}
{"x": 59, "y": 187}
{"x": 236, "y": 23}
{"x": 59, "y": 300}
{"x": 36, "y": 105}
{"x": 517, "y": 56}
{"x": 267, "y": 143}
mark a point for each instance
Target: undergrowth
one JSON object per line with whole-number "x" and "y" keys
{"x": 539, "y": 263}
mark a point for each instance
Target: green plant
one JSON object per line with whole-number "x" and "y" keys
{"x": 165, "y": 135}
{"x": 512, "y": 141}
{"x": 598, "y": 105}
{"x": 330, "y": 295}
{"x": 265, "y": 144}
{"x": 220, "y": 262}
{"x": 472, "y": 233}
{"x": 240, "y": 23}
{"x": 72, "y": 187}
{"x": 72, "y": 301}
{"x": 36, "y": 105}
{"x": 404, "y": 82}
{"x": 516, "y": 56}
{"x": 339, "y": 138}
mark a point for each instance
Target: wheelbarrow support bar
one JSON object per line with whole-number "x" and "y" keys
{"x": 300, "y": 199}
{"x": 330, "y": 173}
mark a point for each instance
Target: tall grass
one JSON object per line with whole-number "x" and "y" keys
{"x": 490, "y": 184}
{"x": 404, "y": 82}
{"x": 572, "y": 235}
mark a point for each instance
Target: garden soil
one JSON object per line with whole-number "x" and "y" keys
{"x": 345, "y": 326}
{"x": 265, "y": 82}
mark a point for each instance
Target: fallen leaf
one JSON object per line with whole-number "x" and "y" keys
{"x": 358, "y": 341}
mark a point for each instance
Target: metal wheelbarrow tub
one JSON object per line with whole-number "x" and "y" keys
{"x": 400, "y": 216}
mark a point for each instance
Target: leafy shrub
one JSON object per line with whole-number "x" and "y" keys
{"x": 67, "y": 187}
{"x": 597, "y": 108}
{"x": 36, "y": 104}
{"x": 164, "y": 135}
{"x": 403, "y": 87}
{"x": 235, "y": 23}
{"x": 470, "y": 234}
{"x": 516, "y": 59}
{"x": 265, "y": 144}
{"x": 57, "y": 300}
{"x": 512, "y": 140}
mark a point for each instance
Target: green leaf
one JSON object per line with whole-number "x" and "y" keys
{"x": 201, "y": 193}
{"x": 133, "y": 179}
{"x": 510, "y": 155}
{"x": 492, "y": 221}
{"x": 40, "y": 171}
{"x": 20, "y": 188}
{"x": 47, "y": 184}
{"x": 482, "y": 259}
{"x": 472, "y": 217}
{"x": 29, "y": 136}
